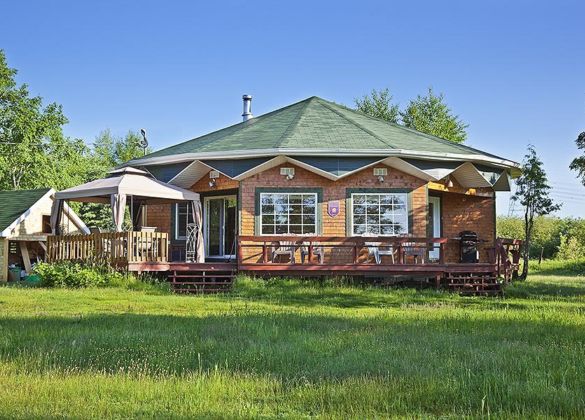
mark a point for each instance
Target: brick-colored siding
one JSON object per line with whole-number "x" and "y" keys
{"x": 159, "y": 216}
{"x": 221, "y": 183}
{"x": 332, "y": 190}
{"x": 466, "y": 212}
{"x": 461, "y": 209}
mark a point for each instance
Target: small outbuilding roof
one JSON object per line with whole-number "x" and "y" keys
{"x": 14, "y": 204}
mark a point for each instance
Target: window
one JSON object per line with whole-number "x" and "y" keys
{"x": 288, "y": 213}
{"x": 46, "y": 224}
{"x": 380, "y": 214}
{"x": 182, "y": 213}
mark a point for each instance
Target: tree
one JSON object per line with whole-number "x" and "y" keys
{"x": 430, "y": 114}
{"x": 34, "y": 152}
{"x": 578, "y": 164}
{"x": 532, "y": 191}
{"x": 108, "y": 152}
{"x": 379, "y": 104}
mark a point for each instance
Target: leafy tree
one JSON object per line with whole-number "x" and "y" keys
{"x": 33, "y": 151}
{"x": 379, "y": 104}
{"x": 108, "y": 152}
{"x": 430, "y": 114}
{"x": 533, "y": 193}
{"x": 578, "y": 164}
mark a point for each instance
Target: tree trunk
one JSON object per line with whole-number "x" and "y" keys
{"x": 528, "y": 220}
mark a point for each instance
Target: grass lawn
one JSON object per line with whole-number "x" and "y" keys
{"x": 294, "y": 349}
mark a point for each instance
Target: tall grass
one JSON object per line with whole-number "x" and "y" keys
{"x": 290, "y": 348}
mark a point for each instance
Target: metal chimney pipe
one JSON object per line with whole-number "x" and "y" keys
{"x": 247, "y": 107}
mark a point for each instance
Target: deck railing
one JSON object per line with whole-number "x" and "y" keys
{"x": 507, "y": 256}
{"x": 340, "y": 250}
{"x": 112, "y": 247}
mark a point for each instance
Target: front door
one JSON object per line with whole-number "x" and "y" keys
{"x": 435, "y": 224}
{"x": 220, "y": 226}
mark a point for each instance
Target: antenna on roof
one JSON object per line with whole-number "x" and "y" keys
{"x": 144, "y": 142}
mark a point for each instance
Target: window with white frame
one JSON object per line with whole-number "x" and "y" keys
{"x": 183, "y": 215}
{"x": 384, "y": 214}
{"x": 288, "y": 213}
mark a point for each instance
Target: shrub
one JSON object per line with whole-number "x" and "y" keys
{"x": 75, "y": 275}
{"x": 570, "y": 248}
{"x": 66, "y": 274}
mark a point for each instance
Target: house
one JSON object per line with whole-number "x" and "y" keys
{"x": 318, "y": 188}
{"x": 25, "y": 225}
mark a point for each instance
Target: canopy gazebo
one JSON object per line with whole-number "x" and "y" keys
{"x": 134, "y": 187}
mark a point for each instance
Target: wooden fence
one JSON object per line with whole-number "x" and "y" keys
{"x": 113, "y": 247}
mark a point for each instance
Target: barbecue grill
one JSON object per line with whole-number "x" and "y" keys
{"x": 468, "y": 241}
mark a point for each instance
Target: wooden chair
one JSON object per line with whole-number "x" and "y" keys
{"x": 284, "y": 248}
{"x": 318, "y": 250}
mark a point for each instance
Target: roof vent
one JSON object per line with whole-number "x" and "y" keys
{"x": 380, "y": 171}
{"x": 247, "y": 107}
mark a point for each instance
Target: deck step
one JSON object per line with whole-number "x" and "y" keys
{"x": 473, "y": 283}
{"x": 208, "y": 280}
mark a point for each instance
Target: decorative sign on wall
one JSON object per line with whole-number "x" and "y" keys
{"x": 333, "y": 208}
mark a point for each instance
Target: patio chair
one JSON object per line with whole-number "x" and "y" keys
{"x": 377, "y": 250}
{"x": 410, "y": 249}
{"x": 318, "y": 250}
{"x": 284, "y": 248}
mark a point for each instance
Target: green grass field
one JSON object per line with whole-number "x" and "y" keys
{"x": 294, "y": 349}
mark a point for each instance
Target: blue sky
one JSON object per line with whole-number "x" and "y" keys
{"x": 514, "y": 70}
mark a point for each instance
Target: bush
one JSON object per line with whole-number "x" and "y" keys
{"x": 546, "y": 237}
{"x": 570, "y": 248}
{"x": 75, "y": 275}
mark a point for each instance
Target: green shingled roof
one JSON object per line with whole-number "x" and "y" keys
{"x": 14, "y": 203}
{"x": 315, "y": 123}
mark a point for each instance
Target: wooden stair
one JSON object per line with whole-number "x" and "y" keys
{"x": 203, "y": 278}
{"x": 479, "y": 284}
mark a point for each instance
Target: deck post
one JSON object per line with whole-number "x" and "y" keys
{"x": 239, "y": 255}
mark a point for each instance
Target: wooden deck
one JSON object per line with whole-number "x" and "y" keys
{"x": 421, "y": 258}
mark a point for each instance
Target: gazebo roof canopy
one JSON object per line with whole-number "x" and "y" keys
{"x": 129, "y": 181}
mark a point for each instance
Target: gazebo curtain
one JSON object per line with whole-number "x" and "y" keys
{"x": 198, "y": 219}
{"x": 118, "y": 203}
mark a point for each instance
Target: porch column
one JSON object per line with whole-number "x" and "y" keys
{"x": 56, "y": 212}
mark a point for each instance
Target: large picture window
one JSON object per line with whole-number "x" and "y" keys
{"x": 384, "y": 214}
{"x": 183, "y": 215}
{"x": 288, "y": 213}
